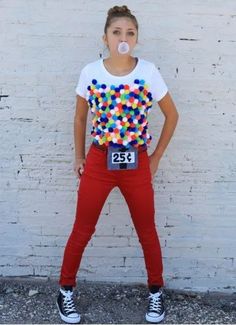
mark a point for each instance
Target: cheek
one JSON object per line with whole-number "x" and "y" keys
{"x": 113, "y": 45}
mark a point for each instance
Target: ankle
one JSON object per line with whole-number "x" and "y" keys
{"x": 154, "y": 288}
{"x": 67, "y": 288}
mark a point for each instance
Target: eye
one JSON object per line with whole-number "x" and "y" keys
{"x": 116, "y": 32}
{"x": 131, "y": 33}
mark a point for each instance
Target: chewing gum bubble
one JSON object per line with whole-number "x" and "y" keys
{"x": 123, "y": 48}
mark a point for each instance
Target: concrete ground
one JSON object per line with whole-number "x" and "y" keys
{"x": 32, "y": 301}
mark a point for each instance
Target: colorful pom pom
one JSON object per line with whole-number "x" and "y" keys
{"x": 120, "y": 113}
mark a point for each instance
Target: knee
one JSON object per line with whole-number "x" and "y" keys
{"x": 80, "y": 238}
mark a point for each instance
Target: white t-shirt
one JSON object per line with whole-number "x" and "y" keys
{"x": 120, "y": 104}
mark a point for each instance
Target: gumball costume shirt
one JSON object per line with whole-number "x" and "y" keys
{"x": 120, "y": 104}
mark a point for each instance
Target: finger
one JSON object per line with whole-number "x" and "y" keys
{"x": 153, "y": 178}
{"x": 77, "y": 172}
{"x": 80, "y": 171}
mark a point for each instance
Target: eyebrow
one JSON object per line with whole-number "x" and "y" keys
{"x": 121, "y": 28}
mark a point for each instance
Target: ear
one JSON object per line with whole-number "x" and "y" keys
{"x": 104, "y": 38}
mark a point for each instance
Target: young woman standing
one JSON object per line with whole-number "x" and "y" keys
{"x": 120, "y": 91}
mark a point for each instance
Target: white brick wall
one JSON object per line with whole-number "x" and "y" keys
{"x": 43, "y": 46}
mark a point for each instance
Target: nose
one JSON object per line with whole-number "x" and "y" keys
{"x": 123, "y": 38}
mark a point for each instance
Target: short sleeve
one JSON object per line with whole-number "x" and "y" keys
{"x": 158, "y": 85}
{"x": 81, "y": 87}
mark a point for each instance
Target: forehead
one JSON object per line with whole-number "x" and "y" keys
{"x": 122, "y": 23}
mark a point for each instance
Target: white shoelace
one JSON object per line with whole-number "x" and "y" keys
{"x": 68, "y": 302}
{"x": 155, "y": 302}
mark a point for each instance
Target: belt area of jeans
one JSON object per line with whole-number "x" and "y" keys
{"x": 103, "y": 147}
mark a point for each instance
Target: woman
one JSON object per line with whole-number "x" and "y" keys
{"x": 120, "y": 91}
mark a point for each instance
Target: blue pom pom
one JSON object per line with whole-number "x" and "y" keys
{"x": 132, "y": 94}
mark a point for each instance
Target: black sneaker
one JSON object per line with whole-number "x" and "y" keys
{"x": 156, "y": 310}
{"x": 66, "y": 307}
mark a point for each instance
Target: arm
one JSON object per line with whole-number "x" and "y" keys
{"x": 80, "y": 122}
{"x": 168, "y": 108}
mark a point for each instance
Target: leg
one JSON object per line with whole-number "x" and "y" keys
{"x": 139, "y": 195}
{"x": 95, "y": 185}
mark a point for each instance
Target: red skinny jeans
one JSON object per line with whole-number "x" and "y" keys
{"x": 95, "y": 185}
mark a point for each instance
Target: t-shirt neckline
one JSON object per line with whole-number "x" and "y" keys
{"x": 120, "y": 77}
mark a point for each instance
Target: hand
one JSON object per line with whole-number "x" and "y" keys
{"x": 154, "y": 162}
{"x": 79, "y": 166}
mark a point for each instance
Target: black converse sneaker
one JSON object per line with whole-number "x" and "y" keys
{"x": 66, "y": 306}
{"x": 156, "y": 311}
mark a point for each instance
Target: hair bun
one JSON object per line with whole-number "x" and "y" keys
{"x": 119, "y": 10}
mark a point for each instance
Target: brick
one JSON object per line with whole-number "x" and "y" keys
{"x": 110, "y": 241}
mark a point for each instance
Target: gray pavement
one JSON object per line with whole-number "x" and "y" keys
{"x": 32, "y": 301}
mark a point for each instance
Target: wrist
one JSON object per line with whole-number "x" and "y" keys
{"x": 80, "y": 158}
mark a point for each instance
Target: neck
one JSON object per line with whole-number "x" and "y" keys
{"x": 120, "y": 64}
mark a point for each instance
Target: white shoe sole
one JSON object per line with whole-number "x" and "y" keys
{"x": 155, "y": 319}
{"x": 75, "y": 320}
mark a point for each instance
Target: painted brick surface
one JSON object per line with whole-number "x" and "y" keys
{"x": 43, "y": 46}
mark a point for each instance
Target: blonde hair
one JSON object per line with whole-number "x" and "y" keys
{"x": 118, "y": 12}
